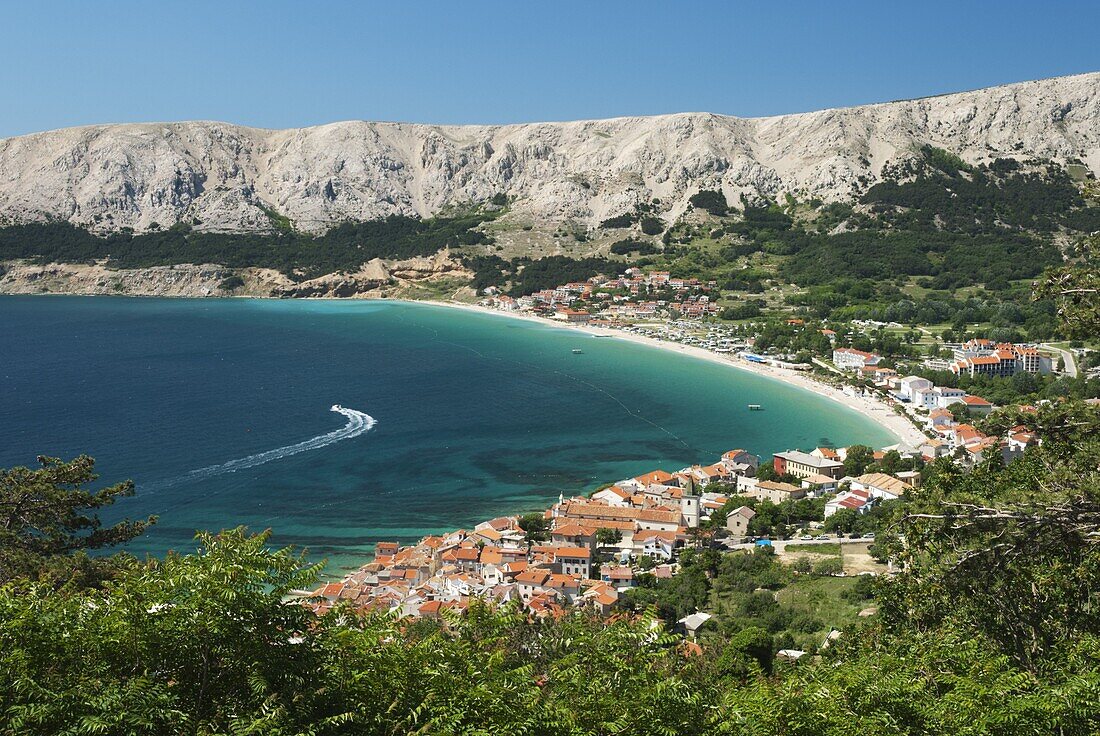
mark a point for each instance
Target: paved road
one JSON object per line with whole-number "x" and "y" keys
{"x": 1069, "y": 365}
{"x": 827, "y": 366}
{"x": 781, "y": 544}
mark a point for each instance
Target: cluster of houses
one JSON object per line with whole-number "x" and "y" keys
{"x": 976, "y": 357}
{"x": 631, "y": 295}
{"x": 592, "y": 546}
{"x": 820, "y": 472}
{"x": 590, "y": 549}
{"x": 969, "y": 445}
{"x": 947, "y": 436}
{"x": 920, "y": 393}
{"x": 950, "y": 437}
{"x": 648, "y": 516}
{"x": 932, "y": 405}
{"x": 913, "y": 392}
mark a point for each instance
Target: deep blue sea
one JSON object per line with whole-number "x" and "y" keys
{"x": 220, "y": 411}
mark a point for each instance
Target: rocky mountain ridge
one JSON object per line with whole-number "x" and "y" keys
{"x": 376, "y": 279}
{"x": 218, "y": 176}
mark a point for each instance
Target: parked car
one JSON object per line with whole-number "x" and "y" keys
{"x": 869, "y": 535}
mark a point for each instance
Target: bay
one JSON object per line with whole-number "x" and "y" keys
{"x": 220, "y": 410}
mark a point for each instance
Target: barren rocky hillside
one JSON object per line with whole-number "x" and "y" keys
{"x": 218, "y": 176}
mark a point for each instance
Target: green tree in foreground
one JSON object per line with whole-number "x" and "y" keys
{"x": 1076, "y": 292}
{"x": 1010, "y": 552}
{"x": 48, "y": 522}
{"x": 206, "y": 643}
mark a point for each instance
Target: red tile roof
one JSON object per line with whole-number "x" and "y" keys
{"x": 655, "y": 476}
{"x": 573, "y": 552}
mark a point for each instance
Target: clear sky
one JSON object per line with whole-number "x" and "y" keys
{"x": 282, "y": 64}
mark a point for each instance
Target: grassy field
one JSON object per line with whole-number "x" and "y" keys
{"x": 829, "y": 548}
{"x": 802, "y": 608}
{"x": 823, "y": 599}
{"x": 809, "y": 607}
{"x": 439, "y": 289}
{"x": 855, "y": 557}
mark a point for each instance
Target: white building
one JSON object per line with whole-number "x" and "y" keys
{"x": 937, "y": 397}
{"x": 849, "y": 359}
{"x": 908, "y": 386}
{"x": 573, "y": 560}
{"x": 694, "y": 622}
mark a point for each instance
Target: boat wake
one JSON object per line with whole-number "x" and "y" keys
{"x": 358, "y": 423}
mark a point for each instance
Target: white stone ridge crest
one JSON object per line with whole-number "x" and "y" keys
{"x": 227, "y": 177}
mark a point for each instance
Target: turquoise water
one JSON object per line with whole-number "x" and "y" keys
{"x": 220, "y": 412}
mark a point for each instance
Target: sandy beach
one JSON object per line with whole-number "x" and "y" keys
{"x": 871, "y": 408}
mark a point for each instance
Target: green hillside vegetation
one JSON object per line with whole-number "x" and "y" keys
{"x": 528, "y": 276}
{"x": 987, "y": 199}
{"x": 651, "y": 225}
{"x": 944, "y": 242}
{"x": 642, "y": 215}
{"x": 951, "y": 260}
{"x": 638, "y": 247}
{"x": 344, "y": 247}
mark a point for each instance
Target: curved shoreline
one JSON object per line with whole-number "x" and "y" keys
{"x": 872, "y": 409}
{"x": 902, "y": 430}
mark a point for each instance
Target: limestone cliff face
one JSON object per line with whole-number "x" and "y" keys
{"x": 375, "y": 279}
{"x": 227, "y": 177}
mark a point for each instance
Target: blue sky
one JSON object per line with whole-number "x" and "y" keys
{"x": 281, "y": 64}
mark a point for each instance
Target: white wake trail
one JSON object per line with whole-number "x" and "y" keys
{"x": 358, "y": 423}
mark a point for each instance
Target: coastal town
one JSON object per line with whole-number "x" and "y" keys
{"x": 589, "y": 551}
{"x": 585, "y": 551}
{"x": 585, "y": 369}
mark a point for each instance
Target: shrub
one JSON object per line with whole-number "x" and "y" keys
{"x": 745, "y": 310}
{"x": 945, "y": 161}
{"x": 625, "y": 247}
{"x": 652, "y": 225}
{"x": 829, "y": 566}
{"x": 710, "y": 201}
{"x": 616, "y": 222}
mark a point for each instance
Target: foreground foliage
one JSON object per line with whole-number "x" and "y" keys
{"x": 48, "y": 521}
{"x": 205, "y": 643}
